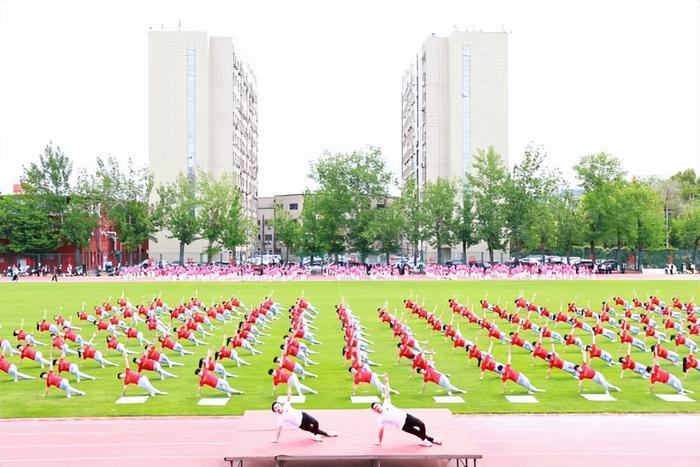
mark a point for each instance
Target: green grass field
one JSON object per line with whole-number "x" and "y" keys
{"x": 29, "y": 300}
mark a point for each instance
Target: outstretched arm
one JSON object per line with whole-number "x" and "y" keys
{"x": 510, "y": 352}
{"x": 380, "y": 435}
{"x": 387, "y": 388}
{"x": 277, "y": 435}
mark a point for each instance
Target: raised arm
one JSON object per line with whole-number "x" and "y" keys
{"x": 387, "y": 388}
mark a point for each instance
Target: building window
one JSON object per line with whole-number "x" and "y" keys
{"x": 191, "y": 113}
{"x": 466, "y": 110}
{"x": 268, "y": 237}
{"x": 293, "y": 206}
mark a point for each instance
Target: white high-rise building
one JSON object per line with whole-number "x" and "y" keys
{"x": 454, "y": 101}
{"x": 202, "y": 116}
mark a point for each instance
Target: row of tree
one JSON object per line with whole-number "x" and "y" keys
{"x": 526, "y": 209}
{"x": 53, "y": 210}
{"x": 523, "y": 210}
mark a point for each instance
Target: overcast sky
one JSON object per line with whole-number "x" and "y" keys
{"x": 621, "y": 77}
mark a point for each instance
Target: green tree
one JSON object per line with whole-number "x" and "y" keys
{"x": 599, "y": 174}
{"x": 49, "y": 182}
{"x": 528, "y": 196}
{"x": 348, "y": 185}
{"x": 621, "y": 219}
{"x": 177, "y": 211}
{"x": 312, "y": 241}
{"x": 488, "y": 181}
{"x": 647, "y": 216}
{"x": 410, "y": 206}
{"x": 687, "y": 229}
{"x": 464, "y": 230}
{"x": 237, "y": 227}
{"x": 215, "y": 201}
{"x": 82, "y": 215}
{"x": 124, "y": 196}
{"x": 287, "y": 230}
{"x": 567, "y": 222}
{"x": 688, "y": 184}
{"x": 385, "y": 229}
{"x": 24, "y": 226}
{"x": 439, "y": 211}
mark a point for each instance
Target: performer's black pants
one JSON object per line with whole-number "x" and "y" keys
{"x": 309, "y": 423}
{"x": 415, "y": 427}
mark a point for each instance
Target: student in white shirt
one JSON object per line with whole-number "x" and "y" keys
{"x": 391, "y": 416}
{"x": 288, "y": 415}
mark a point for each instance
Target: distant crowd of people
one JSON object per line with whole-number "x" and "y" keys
{"x": 214, "y": 272}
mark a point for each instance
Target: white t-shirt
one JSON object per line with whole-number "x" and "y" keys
{"x": 289, "y": 416}
{"x": 391, "y": 416}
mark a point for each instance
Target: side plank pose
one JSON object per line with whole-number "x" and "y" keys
{"x": 130, "y": 376}
{"x": 288, "y": 415}
{"x": 391, "y": 416}
{"x": 584, "y": 372}
{"x": 660, "y": 376}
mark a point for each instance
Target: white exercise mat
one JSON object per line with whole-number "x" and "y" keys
{"x": 522, "y": 399}
{"x": 213, "y": 401}
{"x": 599, "y": 397}
{"x": 132, "y": 400}
{"x": 448, "y": 399}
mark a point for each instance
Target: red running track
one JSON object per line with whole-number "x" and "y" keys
{"x": 504, "y": 440}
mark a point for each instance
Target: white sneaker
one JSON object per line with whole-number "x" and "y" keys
{"x": 426, "y": 443}
{"x": 317, "y": 438}
{"x": 437, "y": 441}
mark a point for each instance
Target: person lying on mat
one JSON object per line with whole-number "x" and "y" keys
{"x": 391, "y": 416}
{"x": 290, "y": 416}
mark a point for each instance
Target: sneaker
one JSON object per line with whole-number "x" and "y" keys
{"x": 437, "y": 441}
{"x": 426, "y": 443}
{"x": 317, "y": 438}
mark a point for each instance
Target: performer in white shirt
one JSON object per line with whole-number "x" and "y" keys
{"x": 288, "y": 415}
{"x": 391, "y": 416}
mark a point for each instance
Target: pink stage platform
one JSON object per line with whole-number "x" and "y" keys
{"x": 357, "y": 433}
{"x": 584, "y": 440}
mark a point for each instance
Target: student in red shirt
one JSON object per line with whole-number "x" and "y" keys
{"x": 293, "y": 366}
{"x": 62, "y": 365}
{"x": 53, "y": 379}
{"x": 689, "y": 362}
{"x": 167, "y": 342}
{"x": 30, "y": 353}
{"x": 628, "y": 364}
{"x": 130, "y": 376}
{"x": 5, "y": 346}
{"x": 555, "y": 361}
{"x": 365, "y": 375}
{"x": 147, "y": 364}
{"x": 430, "y": 374}
{"x": 664, "y": 353}
{"x": 279, "y": 376}
{"x": 660, "y": 376}
{"x": 11, "y": 370}
{"x": 584, "y": 372}
{"x": 90, "y": 352}
{"x": 508, "y": 373}
{"x": 208, "y": 378}
{"x": 161, "y": 358}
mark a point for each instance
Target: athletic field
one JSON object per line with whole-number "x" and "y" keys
{"x": 29, "y": 300}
